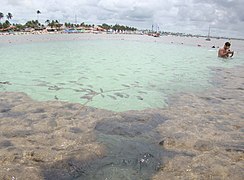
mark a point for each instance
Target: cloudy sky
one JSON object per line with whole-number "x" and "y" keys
{"x": 225, "y": 17}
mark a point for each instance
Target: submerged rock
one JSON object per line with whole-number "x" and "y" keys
{"x": 4, "y": 110}
{"x": 148, "y": 160}
{"x": 161, "y": 143}
{"x": 5, "y": 143}
{"x": 202, "y": 145}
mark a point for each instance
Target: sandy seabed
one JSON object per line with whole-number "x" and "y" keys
{"x": 198, "y": 136}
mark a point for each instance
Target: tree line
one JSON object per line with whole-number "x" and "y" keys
{"x": 56, "y": 24}
{"x": 117, "y": 27}
{"x": 5, "y": 24}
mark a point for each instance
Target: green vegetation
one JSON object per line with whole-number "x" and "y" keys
{"x": 32, "y": 24}
{"x": 123, "y": 28}
{"x": 9, "y": 16}
{"x": 5, "y": 24}
{"x": 117, "y": 27}
{"x": 1, "y": 16}
{"x": 38, "y": 12}
{"x": 106, "y": 26}
{"x": 53, "y": 23}
{"x": 71, "y": 25}
{"x": 35, "y": 24}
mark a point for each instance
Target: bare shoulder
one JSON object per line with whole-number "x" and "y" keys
{"x": 221, "y": 50}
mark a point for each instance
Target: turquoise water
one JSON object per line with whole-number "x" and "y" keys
{"x": 109, "y": 74}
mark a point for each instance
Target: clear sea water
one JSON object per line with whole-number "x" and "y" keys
{"x": 109, "y": 74}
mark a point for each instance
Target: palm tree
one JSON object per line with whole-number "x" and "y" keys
{"x": 47, "y": 22}
{"x": 6, "y": 24}
{"x": 1, "y": 16}
{"x": 9, "y": 16}
{"x": 38, "y": 12}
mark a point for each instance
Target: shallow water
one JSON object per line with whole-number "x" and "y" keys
{"x": 109, "y": 74}
{"x": 199, "y": 135}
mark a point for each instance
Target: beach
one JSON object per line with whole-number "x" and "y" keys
{"x": 170, "y": 39}
{"x": 198, "y": 135}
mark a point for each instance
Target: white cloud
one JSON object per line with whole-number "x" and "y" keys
{"x": 188, "y": 16}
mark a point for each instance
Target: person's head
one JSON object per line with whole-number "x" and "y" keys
{"x": 227, "y": 45}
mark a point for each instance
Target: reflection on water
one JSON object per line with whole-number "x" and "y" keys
{"x": 113, "y": 75}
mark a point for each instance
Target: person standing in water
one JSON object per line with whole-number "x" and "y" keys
{"x": 225, "y": 51}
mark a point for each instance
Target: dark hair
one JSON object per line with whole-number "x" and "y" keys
{"x": 227, "y": 44}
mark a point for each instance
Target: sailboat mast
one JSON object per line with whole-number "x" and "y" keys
{"x": 208, "y": 38}
{"x": 209, "y": 32}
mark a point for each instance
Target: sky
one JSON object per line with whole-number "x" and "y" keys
{"x": 225, "y": 17}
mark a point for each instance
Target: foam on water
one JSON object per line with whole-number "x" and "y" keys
{"x": 110, "y": 74}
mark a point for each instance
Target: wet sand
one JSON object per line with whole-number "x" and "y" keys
{"x": 197, "y": 136}
{"x": 237, "y": 45}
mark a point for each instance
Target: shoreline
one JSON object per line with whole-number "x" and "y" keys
{"x": 237, "y": 45}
